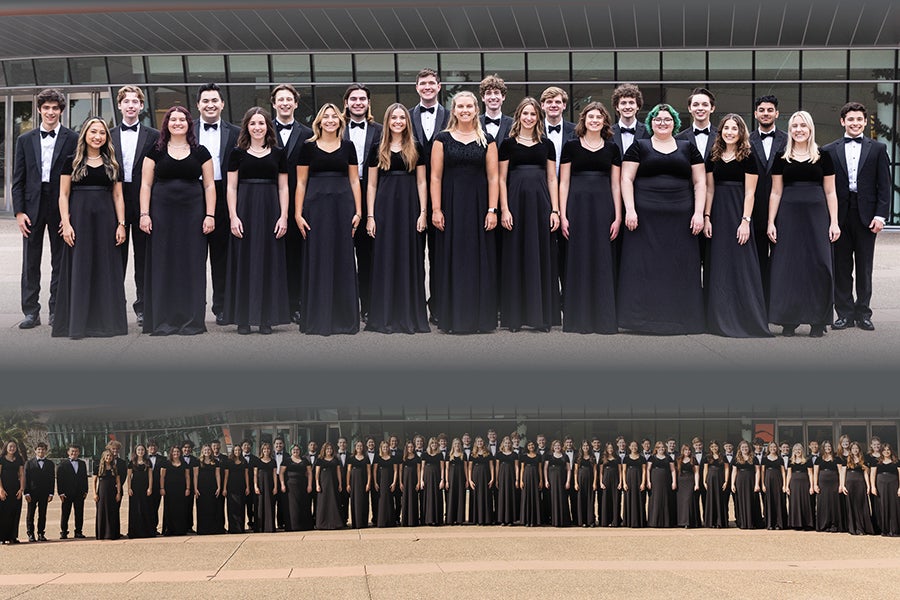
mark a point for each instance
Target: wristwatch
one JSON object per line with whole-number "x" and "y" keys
{"x": 745, "y": 219}
{"x": 492, "y": 210}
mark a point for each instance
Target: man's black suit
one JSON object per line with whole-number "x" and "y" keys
{"x": 760, "y": 214}
{"x": 688, "y": 134}
{"x": 72, "y": 488}
{"x": 146, "y": 140}
{"x": 155, "y": 497}
{"x": 505, "y": 126}
{"x": 640, "y": 133}
{"x": 856, "y": 210}
{"x": 218, "y": 239}
{"x": 568, "y": 133}
{"x": 362, "y": 240}
{"x": 40, "y": 201}
{"x": 39, "y": 484}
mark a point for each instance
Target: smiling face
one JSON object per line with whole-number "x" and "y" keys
{"x": 854, "y": 123}
{"x": 397, "y": 121}
{"x": 493, "y": 100}
{"x": 427, "y": 87}
{"x": 663, "y": 123}
{"x": 178, "y": 123}
{"x": 464, "y": 110}
{"x": 799, "y": 130}
{"x": 528, "y": 117}
{"x": 358, "y": 105}
{"x": 210, "y": 106}
{"x": 96, "y": 135}
{"x": 731, "y": 133}
{"x": 285, "y": 105}
{"x": 50, "y": 113}
{"x": 766, "y": 114}
{"x": 627, "y": 108}
{"x": 130, "y": 107}
{"x": 593, "y": 120}
{"x": 701, "y": 107}
{"x": 330, "y": 121}
{"x": 257, "y": 129}
{"x": 553, "y": 108}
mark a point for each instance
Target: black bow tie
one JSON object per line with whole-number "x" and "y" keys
{"x": 630, "y": 130}
{"x": 46, "y": 133}
{"x": 490, "y": 121}
{"x": 279, "y": 125}
{"x": 361, "y": 124}
{"x": 129, "y": 127}
{"x": 703, "y": 131}
{"x": 554, "y": 128}
{"x": 850, "y": 140}
{"x": 770, "y": 134}
{"x": 208, "y": 126}
{"x": 429, "y": 109}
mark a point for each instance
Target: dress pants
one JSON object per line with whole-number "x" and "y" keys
{"x": 32, "y": 250}
{"x": 218, "y": 249}
{"x": 67, "y": 504}
{"x": 131, "y": 192}
{"x": 38, "y": 503}
{"x": 855, "y": 247}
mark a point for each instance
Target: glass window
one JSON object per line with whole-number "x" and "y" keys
{"x": 79, "y": 108}
{"x": 824, "y": 101}
{"x": 871, "y": 64}
{"x": 887, "y": 433}
{"x": 3, "y": 156}
{"x": 19, "y": 72}
{"x": 333, "y": 67}
{"x": 550, "y": 67}
{"x": 203, "y": 69}
{"x": 788, "y": 95}
{"x": 582, "y": 95}
{"x": 51, "y": 71}
{"x": 243, "y": 97}
{"x": 107, "y": 110}
{"x": 637, "y": 66}
{"x": 165, "y": 69}
{"x": 820, "y": 432}
{"x": 163, "y": 98}
{"x": 409, "y": 65}
{"x": 248, "y": 68}
{"x": 508, "y": 65}
{"x": 306, "y": 108}
{"x": 126, "y": 69}
{"x": 375, "y": 67}
{"x": 730, "y": 65}
{"x": 792, "y": 433}
{"x": 514, "y": 94}
{"x": 593, "y": 66}
{"x": 329, "y": 93}
{"x": 824, "y": 64}
{"x": 460, "y": 67}
{"x": 381, "y": 96}
{"x": 777, "y": 65}
{"x": 857, "y": 432}
{"x": 291, "y": 68}
{"x": 88, "y": 70}
{"x": 733, "y": 98}
{"x": 23, "y": 117}
{"x": 2, "y": 77}
{"x": 684, "y": 66}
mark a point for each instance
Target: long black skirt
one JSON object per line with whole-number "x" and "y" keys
{"x": 801, "y": 288}
{"x": 90, "y": 300}
{"x": 746, "y": 500}
{"x": 887, "y": 505}
{"x": 736, "y": 305}
{"x": 687, "y": 508}
{"x": 659, "y": 279}
{"x": 398, "y": 258}
{"x": 658, "y": 511}
{"x": 775, "y": 504}
{"x": 715, "y": 510}
{"x": 859, "y": 519}
{"x": 432, "y": 496}
{"x": 384, "y": 516}
{"x": 610, "y": 497}
{"x": 829, "y": 513}
{"x": 175, "y": 264}
{"x": 140, "y": 519}
{"x": 329, "y": 295}
{"x": 256, "y": 279}
{"x": 328, "y": 512}
{"x": 633, "y": 509}
{"x": 590, "y": 256}
{"x": 800, "y": 502}
{"x": 465, "y": 255}
{"x": 299, "y": 515}
{"x": 107, "y": 525}
{"x": 529, "y": 288}
{"x": 530, "y": 513}
{"x": 584, "y": 504}
{"x": 409, "y": 498}
{"x": 359, "y": 498}
{"x": 456, "y": 492}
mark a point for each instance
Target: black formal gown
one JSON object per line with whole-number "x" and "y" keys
{"x": 359, "y": 496}
{"x": 384, "y": 516}
{"x": 633, "y": 509}
{"x": 90, "y": 300}
{"x": 328, "y": 510}
{"x": 11, "y": 508}
{"x": 329, "y": 291}
{"x": 529, "y": 282}
{"x": 175, "y": 263}
{"x": 715, "y": 511}
{"x": 140, "y": 517}
{"x": 432, "y": 496}
{"x": 611, "y": 496}
{"x": 481, "y": 511}
{"x": 775, "y": 504}
{"x": 256, "y": 277}
{"x": 746, "y": 500}
{"x": 296, "y": 482}
{"x": 660, "y": 476}
{"x": 409, "y": 501}
{"x": 505, "y": 481}
{"x": 456, "y": 490}
{"x": 208, "y": 503}
{"x": 236, "y": 497}
{"x": 736, "y": 306}
{"x": 829, "y": 513}
{"x": 800, "y": 514}
{"x": 398, "y": 251}
{"x": 107, "y": 525}
{"x": 465, "y": 269}
{"x": 590, "y": 280}
{"x": 859, "y": 519}
{"x": 801, "y": 288}
{"x": 584, "y": 514}
{"x": 176, "y": 520}
{"x": 557, "y": 469}
{"x": 265, "y": 500}
{"x": 530, "y": 513}
{"x": 659, "y": 280}
{"x": 872, "y": 461}
{"x": 887, "y": 504}
{"x": 687, "y": 511}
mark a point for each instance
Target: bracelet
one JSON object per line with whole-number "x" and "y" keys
{"x": 554, "y": 212}
{"x": 706, "y": 216}
{"x": 121, "y": 223}
{"x": 357, "y": 215}
{"x": 370, "y": 217}
{"x": 146, "y": 214}
{"x": 210, "y": 216}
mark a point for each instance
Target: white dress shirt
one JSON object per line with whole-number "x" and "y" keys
{"x": 852, "y": 152}
{"x": 767, "y": 142}
{"x": 493, "y": 128}
{"x": 627, "y": 138}
{"x": 211, "y": 139}
{"x": 128, "y": 144}
{"x": 557, "y": 138}
{"x": 48, "y": 143}
{"x": 358, "y": 137}
{"x": 428, "y": 121}
{"x": 285, "y": 134}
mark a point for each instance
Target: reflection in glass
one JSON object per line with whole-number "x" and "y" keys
{"x": 730, "y": 65}
{"x": 777, "y": 64}
{"x": 508, "y": 65}
{"x": 203, "y": 69}
{"x": 165, "y": 69}
{"x": 19, "y": 72}
{"x": 51, "y": 71}
{"x": 824, "y": 64}
{"x": 126, "y": 69}
{"x": 460, "y": 67}
{"x": 333, "y": 67}
{"x": 375, "y": 67}
{"x": 684, "y": 66}
{"x": 88, "y": 69}
{"x": 593, "y": 66}
{"x": 409, "y": 64}
{"x": 551, "y": 67}
{"x": 291, "y": 68}
{"x": 248, "y": 68}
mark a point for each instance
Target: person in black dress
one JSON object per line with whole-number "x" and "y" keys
{"x": 107, "y": 495}
{"x": 91, "y": 293}
{"x": 557, "y": 481}
{"x": 464, "y": 197}
{"x": 140, "y": 487}
{"x": 296, "y": 478}
{"x": 688, "y": 489}
{"x": 871, "y": 458}
{"x": 456, "y": 483}
{"x": 585, "y": 478}
{"x": 256, "y": 277}
{"x": 237, "y": 488}
{"x": 529, "y": 215}
{"x": 799, "y": 489}
{"x": 385, "y": 477}
{"x": 266, "y": 486}
{"x": 716, "y": 475}
{"x": 590, "y": 202}
{"x": 178, "y": 203}
{"x": 856, "y": 485}
{"x": 773, "y": 477}
{"x": 736, "y": 306}
{"x": 659, "y": 282}
{"x": 397, "y": 199}
{"x": 634, "y": 484}
{"x": 328, "y": 208}
{"x": 802, "y": 227}
{"x": 826, "y": 476}
{"x": 432, "y": 484}
{"x": 207, "y": 491}
{"x": 12, "y": 487}
{"x": 661, "y": 479}
{"x": 506, "y": 467}
{"x": 610, "y": 483}
{"x": 745, "y": 488}
{"x": 886, "y": 492}
{"x": 481, "y": 471}
{"x": 174, "y": 482}
{"x": 329, "y": 483}
{"x": 359, "y": 483}
{"x": 531, "y": 481}
{"x": 410, "y": 475}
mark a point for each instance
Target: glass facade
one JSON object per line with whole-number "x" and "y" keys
{"x": 817, "y": 80}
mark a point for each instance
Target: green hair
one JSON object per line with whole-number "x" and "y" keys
{"x": 655, "y": 111}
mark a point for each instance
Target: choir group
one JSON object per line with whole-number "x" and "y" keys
{"x": 530, "y": 220}
{"x": 485, "y": 481}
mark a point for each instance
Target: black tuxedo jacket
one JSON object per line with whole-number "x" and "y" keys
{"x": 70, "y": 484}
{"x": 299, "y": 134}
{"x": 873, "y": 180}
{"x": 39, "y": 481}
{"x": 154, "y": 473}
{"x": 26, "y": 182}
{"x": 441, "y": 118}
{"x": 640, "y": 133}
{"x": 506, "y": 124}
{"x": 228, "y": 136}
{"x": 147, "y": 138}
{"x": 122, "y": 470}
{"x": 688, "y": 134}
{"x": 373, "y": 139}
{"x": 764, "y": 171}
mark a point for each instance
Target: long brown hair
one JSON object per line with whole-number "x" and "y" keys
{"x": 243, "y": 141}
{"x": 538, "y": 132}
{"x": 408, "y": 150}
{"x": 107, "y": 153}
{"x": 742, "y": 147}
{"x": 581, "y": 127}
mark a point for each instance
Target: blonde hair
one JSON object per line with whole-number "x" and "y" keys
{"x": 408, "y": 150}
{"x": 451, "y": 125}
{"x": 317, "y": 122}
{"x": 813, "y": 147}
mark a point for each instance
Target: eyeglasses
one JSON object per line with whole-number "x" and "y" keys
{"x": 660, "y": 121}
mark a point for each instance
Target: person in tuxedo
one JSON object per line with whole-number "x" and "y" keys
{"x": 40, "y": 477}
{"x": 766, "y": 142}
{"x": 627, "y": 100}
{"x": 281, "y": 501}
{"x": 428, "y": 119}
{"x": 312, "y": 455}
{"x": 190, "y": 461}
{"x": 72, "y": 487}
{"x": 250, "y": 459}
{"x": 343, "y": 496}
{"x": 863, "y": 185}
{"x": 493, "y": 92}
{"x": 291, "y": 135}
{"x": 132, "y": 141}
{"x": 365, "y": 133}
{"x": 157, "y": 461}
{"x": 702, "y": 133}
{"x": 219, "y": 137}
{"x": 37, "y": 166}
{"x": 371, "y": 454}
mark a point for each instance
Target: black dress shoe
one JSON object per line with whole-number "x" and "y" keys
{"x": 842, "y": 323}
{"x": 265, "y": 329}
{"x": 80, "y": 535}
{"x": 295, "y": 317}
{"x": 42, "y": 538}
{"x": 243, "y": 329}
{"x": 220, "y": 318}
{"x": 816, "y": 331}
{"x": 788, "y": 330}
{"x": 30, "y": 321}
{"x": 140, "y": 319}
{"x": 30, "y": 537}
{"x": 364, "y": 317}
{"x": 64, "y": 536}
{"x": 865, "y": 324}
